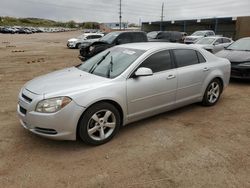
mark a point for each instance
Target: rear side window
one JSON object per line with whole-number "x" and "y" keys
{"x": 158, "y": 62}
{"x": 200, "y": 57}
{"x": 185, "y": 57}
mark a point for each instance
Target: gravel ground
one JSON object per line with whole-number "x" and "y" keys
{"x": 193, "y": 146}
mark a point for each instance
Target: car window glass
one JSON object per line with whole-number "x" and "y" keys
{"x": 185, "y": 57}
{"x": 124, "y": 38}
{"x": 218, "y": 41}
{"x": 225, "y": 40}
{"x": 159, "y": 61}
{"x": 200, "y": 57}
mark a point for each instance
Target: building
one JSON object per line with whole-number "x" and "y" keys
{"x": 230, "y": 27}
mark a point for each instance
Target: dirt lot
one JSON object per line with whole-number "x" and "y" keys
{"x": 190, "y": 147}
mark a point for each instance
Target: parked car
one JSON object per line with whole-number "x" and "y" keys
{"x": 110, "y": 40}
{"x": 238, "y": 53}
{"x": 118, "y": 86}
{"x": 76, "y": 42}
{"x": 164, "y": 36}
{"x": 7, "y": 30}
{"x": 214, "y": 44}
{"x": 198, "y": 35}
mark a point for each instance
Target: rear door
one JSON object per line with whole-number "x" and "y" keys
{"x": 148, "y": 95}
{"x": 191, "y": 72}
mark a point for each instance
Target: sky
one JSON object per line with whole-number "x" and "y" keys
{"x": 133, "y": 11}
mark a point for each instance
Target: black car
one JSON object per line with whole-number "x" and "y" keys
{"x": 238, "y": 53}
{"x": 110, "y": 40}
{"x": 165, "y": 36}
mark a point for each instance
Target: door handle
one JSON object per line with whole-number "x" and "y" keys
{"x": 171, "y": 76}
{"x": 205, "y": 69}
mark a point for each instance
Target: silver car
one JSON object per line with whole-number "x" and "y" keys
{"x": 118, "y": 86}
{"x": 214, "y": 44}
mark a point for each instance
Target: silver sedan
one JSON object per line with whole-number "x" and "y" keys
{"x": 118, "y": 86}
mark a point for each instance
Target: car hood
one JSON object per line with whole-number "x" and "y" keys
{"x": 73, "y": 40}
{"x": 234, "y": 55}
{"x": 68, "y": 80}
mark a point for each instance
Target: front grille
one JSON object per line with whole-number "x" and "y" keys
{"x": 45, "y": 131}
{"x": 26, "y": 98}
{"x": 22, "y": 110}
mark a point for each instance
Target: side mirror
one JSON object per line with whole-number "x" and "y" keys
{"x": 143, "y": 72}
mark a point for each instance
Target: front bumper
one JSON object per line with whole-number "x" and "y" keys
{"x": 61, "y": 125}
{"x": 240, "y": 72}
{"x": 71, "y": 45}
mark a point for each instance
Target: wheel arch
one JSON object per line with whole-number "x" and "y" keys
{"x": 114, "y": 103}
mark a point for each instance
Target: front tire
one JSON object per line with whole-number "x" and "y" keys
{"x": 99, "y": 124}
{"x": 212, "y": 93}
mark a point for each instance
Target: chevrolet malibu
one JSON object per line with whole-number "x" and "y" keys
{"x": 118, "y": 86}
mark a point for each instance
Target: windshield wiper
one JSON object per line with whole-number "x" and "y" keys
{"x": 92, "y": 69}
{"x": 110, "y": 69}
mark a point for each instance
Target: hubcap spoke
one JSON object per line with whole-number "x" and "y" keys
{"x": 102, "y": 134}
{"x": 216, "y": 88}
{"x": 106, "y": 116}
{"x": 93, "y": 130}
{"x": 110, "y": 125}
{"x": 96, "y": 118}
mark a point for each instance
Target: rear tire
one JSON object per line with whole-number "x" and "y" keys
{"x": 212, "y": 93}
{"x": 99, "y": 124}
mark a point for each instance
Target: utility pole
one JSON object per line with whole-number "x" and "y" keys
{"x": 120, "y": 14}
{"x": 162, "y": 9}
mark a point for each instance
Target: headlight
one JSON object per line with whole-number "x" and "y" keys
{"x": 52, "y": 105}
{"x": 246, "y": 64}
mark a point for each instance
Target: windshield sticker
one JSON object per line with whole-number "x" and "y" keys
{"x": 129, "y": 52}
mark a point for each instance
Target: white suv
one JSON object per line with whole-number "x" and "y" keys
{"x": 76, "y": 42}
{"x": 198, "y": 35}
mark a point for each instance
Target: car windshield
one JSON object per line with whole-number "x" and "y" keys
{"x": 206, "y": 41}
{"x": 109, "y": 38}
{"x": 81, "y": 36}
{"x": 152, "y": 34}
{"x": 199, "y": 33}
{"x": 112, "y": 62}
{"x": 241, "y": 45}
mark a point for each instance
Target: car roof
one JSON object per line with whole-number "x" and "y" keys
{"x": 87, "y": 34}
{"x": 156, "y": 45}
{"x": 215, "y": 37}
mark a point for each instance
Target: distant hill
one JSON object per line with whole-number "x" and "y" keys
{"x": 35, "y": 22}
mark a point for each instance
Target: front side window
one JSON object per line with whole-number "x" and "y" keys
{"x": 225, "y": 40}
{"x": 109, "y": 38}
{"x": 158, "y": 62}
{"x": 112, "y": 62}
{"x": 218, "y": 41}
{"x": 185, "y": 57}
